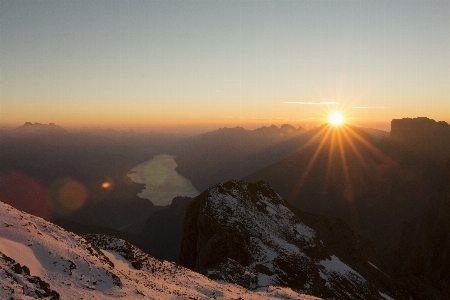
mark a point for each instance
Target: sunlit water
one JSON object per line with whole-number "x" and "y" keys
{"x": 162, "y": 182}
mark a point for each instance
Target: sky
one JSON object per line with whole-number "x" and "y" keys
{"x": 207, "y": 64}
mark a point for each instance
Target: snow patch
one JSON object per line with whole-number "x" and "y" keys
{"x": 385, "y": 296}
{"x": 119, "y": 262}
{"x": 21, "y": 254}
{"x": 305, "y": 230}
{"x": 373, "y": 266}
{"x": 335, "y": 265}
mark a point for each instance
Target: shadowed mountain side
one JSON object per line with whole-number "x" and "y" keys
{"x": 244, "y": 233}
{"x": 40, "y": 163}
{"x": 356, "y": 252}
{"x": 82, "y": 229}
{"x": 230, "y": 153}
{"x": 163, "y": 231}
{"x": 376, "y": 134}
{"x": 425, "y": 244}
{"x": 347, "y": 176}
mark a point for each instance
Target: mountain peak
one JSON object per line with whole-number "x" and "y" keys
{"x": 38, "y": 128}
{"x": 244, "y": 233}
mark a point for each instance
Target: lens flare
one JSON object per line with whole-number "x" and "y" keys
{"x": 67, "y": 196}
{"x": 25, "y": 193}
{"x": 72, "y": 195}
{"x": 106, "y": 185}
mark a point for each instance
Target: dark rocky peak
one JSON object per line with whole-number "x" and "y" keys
{"x": 227, "y": 131}
{"x": 286, "y": 130}
{"x": 38, "y": 129}
{"x": 418, "y": 128}
{"x": 425, "y": 138}
{"x": 244, "y": 233}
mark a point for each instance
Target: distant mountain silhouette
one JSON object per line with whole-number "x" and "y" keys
{"x": 30, "y": 129}
{"x": 39, "y": 159}
{"x": 372, "y": 186}
{"x": 230, "y": 153}
{"x": 377, "y": 188}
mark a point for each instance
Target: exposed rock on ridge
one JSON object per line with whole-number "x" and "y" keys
{"x": 244, "y": 233}
{"x": 41, "y": 260}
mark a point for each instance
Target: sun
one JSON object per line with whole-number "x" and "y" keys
{"x": 336, "y": 118}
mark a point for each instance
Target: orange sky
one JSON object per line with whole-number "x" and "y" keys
{"x": 203, "y": 65}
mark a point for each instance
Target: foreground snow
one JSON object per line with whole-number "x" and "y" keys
{"x": 40, "y": 259}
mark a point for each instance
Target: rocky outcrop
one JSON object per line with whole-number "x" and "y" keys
{"x": 244, "y": 233}
{"x": 22, "y": 282}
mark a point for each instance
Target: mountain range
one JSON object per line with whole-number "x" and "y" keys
{"x": 353, "y": 212}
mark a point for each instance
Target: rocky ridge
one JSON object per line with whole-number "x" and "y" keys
{"x": 244, "y": 233}
{"x": 41, "y": 260}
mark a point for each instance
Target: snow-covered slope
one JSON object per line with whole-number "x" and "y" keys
{"x": 41, "y": 260}
{"x": 243, "y": 233}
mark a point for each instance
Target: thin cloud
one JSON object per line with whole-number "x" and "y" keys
{"x": 313, "y": 103}
{"x": 364, "y": 107}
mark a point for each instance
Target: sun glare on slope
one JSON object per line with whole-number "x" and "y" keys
{"x": 336, "y": 118}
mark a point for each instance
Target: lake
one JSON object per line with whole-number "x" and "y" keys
{"x": 162, "y": 182}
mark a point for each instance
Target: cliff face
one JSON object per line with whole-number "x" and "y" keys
{"x": 423, "y": 137}
{"x": 425, "y": 244}
{"x": 244, "y": 233}
{"x": 417, "y": 128}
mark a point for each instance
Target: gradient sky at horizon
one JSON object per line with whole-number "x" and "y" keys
{"x": 183, "y": 64}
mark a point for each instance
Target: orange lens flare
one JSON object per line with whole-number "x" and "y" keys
{"x": 72, "y": 195}
{"x": 106, "y": 185}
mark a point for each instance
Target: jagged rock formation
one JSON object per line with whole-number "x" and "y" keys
{"x": 244, "y": 233}
{"x": 39, "y": 129}
{"x": 41, "y": 260}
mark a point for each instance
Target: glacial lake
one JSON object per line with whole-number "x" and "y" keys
{"x": 162, "y": 182}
